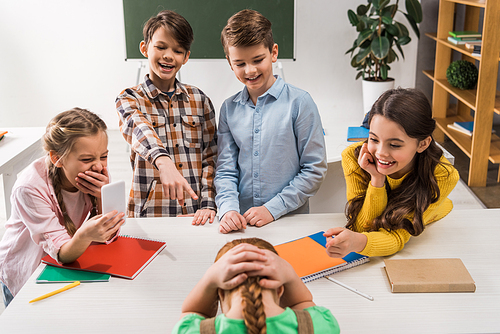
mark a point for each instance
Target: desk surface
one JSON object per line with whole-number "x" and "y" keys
{"x": 18, "y": 149}
{"x": 18, "y": 143}
{"x": 151, "y": 303}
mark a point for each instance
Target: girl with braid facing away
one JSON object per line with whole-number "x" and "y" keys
{"x": 397, "y": 182}
{"x": 54, "y": 197}
{"x": 258, "y": 293}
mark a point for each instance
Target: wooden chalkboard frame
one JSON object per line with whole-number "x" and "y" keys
{"x": 207, "y": 18}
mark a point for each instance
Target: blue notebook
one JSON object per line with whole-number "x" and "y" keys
{"x": 357, "y": 133}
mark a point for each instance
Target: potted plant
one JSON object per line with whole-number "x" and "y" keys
{"x": 379, "y": 35}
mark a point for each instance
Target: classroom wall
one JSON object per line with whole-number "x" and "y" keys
{"x": 57, "y": 54}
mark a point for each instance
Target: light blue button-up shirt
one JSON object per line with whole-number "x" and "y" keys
{"x": 270, "y": 154}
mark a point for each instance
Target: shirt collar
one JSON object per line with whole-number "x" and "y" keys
{"x": 153, "y": 92}
{"x": 274, "y": 91}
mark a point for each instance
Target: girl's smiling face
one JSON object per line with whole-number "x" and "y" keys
{"x": 392, "y": 149}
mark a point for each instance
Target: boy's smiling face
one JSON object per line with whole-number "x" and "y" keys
{"x": 165, "y": 57}
{"x": 253, "y": 66}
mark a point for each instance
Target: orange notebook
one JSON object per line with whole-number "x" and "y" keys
{"x": 308, "y": 257}
{"x": 125, "y": 257}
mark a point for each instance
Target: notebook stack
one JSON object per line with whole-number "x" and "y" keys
{"x": 466, "y": 38}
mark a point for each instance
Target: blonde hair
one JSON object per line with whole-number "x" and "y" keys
{"x": 60, "y": 136}
{"x": 247, "y": 28}
{"x": 251, "y": 291}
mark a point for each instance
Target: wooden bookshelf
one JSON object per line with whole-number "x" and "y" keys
{"x": 483, "y": 146}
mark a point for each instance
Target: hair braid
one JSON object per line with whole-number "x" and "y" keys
{"x": 253, "y": 308}
{"x": 55, "y": 177}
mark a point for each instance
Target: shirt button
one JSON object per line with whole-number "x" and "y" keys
{"x": 154, "y": 123}
{"x": 180, "y": 165}
{"x": 257, "y": 110}
{"x": 255, "y": 175}
{"x": 176, "y": 145}
{"x": 174, "y": 125}
{"x": 256, "y": 130}
{"x": 256, "y": 153}
{"x": 256, "y": 195}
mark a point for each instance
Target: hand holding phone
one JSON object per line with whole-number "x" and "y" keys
{"x": 113, "y": 197}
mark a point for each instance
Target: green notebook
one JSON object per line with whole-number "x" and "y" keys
{"x": 51, "y": 274}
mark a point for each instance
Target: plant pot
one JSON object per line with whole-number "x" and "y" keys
{"x": 372, "y": 91}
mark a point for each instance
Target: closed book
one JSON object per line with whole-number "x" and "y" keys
{"x": 460, "y": 129}
{"x": 462, "y": 34}
{"x": 473, "y": 44}
{"x": 125, "y": 257}
{"x": 310, "y": 261}
{"x": 357, "y": 133}
{"x": 458, "y": 42}
{"x": 428, "y": 275}
{"x": 51, "y": 274}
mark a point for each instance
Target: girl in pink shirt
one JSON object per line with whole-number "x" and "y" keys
{"x": 54, "y": 197}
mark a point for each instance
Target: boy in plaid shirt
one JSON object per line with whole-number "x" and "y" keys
{"x": 171, "y": 129}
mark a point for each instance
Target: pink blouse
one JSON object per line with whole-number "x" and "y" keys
{"x": 35, "y": 227}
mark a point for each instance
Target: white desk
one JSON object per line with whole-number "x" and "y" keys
{"x": 151, "y": 303}
{"x": 18, "y": 149}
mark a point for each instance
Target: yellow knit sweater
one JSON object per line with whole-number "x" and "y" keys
{"x": 382, "y": 242}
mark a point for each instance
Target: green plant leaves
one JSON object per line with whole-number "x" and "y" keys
{"x": 362, "y": 9}
{"x": 378, "y": 33}
{"x": 363, "y": 36}
{"x": 383, "y": 71}
{"x": 413, "y": 24}
{"x": 392, "y": 29}
{"x": 414, "y": 9}
{"x": 363, "y": 53}
{"x": 353, "y": 18}
{"x": 380, "y": 47}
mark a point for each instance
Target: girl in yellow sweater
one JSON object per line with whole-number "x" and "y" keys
{"x": 397, "y": 181}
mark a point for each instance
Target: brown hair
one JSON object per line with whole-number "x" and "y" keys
{"x": 251, "y": 291}
{"x": 60, "y": 137}
{"x": 247, "y": 28}
{"x": 177, "y": 25}
{"x": 411, "y": 110}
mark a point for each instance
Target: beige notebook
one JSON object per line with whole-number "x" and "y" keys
{"x": 428, "y": 275}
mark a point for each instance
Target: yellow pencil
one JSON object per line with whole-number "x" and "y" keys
{"x": 69, "y": 286}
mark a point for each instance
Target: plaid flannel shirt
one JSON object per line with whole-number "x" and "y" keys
{"x": 182, "y": 128}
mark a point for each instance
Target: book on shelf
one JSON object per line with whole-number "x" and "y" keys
{"x": 477, "y": 50}
{"x": 357, "y": 133}
{"x": 465, "y": 34}
{"x": 310, "y": 261}
{"x": 428, "y": 275}
{"x": 458, "y": 42}
{"x": 472, "y": 44}
{"x": 464, "y": 127}
{"x": 125, "y": 257}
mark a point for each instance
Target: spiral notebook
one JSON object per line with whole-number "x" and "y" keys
{"x": 125, "y": 257}
{"x": 308, "y": 257}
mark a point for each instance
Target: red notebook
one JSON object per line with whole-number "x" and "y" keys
{"x": 125, "y": 257}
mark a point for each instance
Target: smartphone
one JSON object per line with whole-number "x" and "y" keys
{"x": 113, "y": 197}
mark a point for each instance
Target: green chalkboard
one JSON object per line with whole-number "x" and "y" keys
{"x": 207, "y": 18}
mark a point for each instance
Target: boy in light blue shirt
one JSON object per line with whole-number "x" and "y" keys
{"x": 272, "y": 155}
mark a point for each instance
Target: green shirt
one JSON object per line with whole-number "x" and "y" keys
{"x": 284, "y": 323}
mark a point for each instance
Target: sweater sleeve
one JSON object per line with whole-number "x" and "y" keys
{"x": 383, "y": 243}
{"x": 375, "y": 199}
